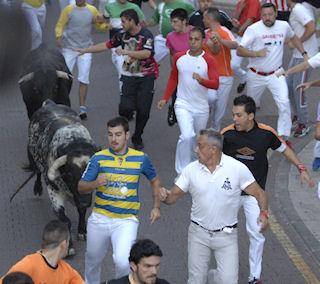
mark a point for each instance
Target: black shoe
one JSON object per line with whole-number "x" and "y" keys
{"x": 241, "y": 87}
{"x": 137, "y": 144}
{"x": 171, "y": 116}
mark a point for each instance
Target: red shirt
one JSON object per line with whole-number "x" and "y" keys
{"x": 248, "y": 9}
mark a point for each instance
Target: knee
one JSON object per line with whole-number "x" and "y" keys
{"x": 121, "y": 263}
{"x": 126, "y": 111}
{"x": 187, "y": 137}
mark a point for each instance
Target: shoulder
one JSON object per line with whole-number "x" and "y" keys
{"x": 178, "y": 55}
{"x": 122, "y": 280}
{"x": 268, "y": 129}
{"x": 229, "y": 128}
{"x": 209, "y": 58}
{"x": 145, "y": 32}
{"x": 232, "y": 163}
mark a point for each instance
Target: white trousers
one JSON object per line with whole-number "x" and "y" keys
{"x": 225, "y": 249}
{"x": 117, "y": 61}
{"x": 236, "y": 64}
{"x": 218, "y": 103}
{"x": 83, "y": 63}
{"x": 36, "y": 18}
{"x": 257, "y": 84}
{"x": 190, "y": 125}
{"x": 101, "y": 231}
{"x": 160, "y": 48}
{"x": 252, "y": 211}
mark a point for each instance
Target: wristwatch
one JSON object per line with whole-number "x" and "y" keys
{"x": 304, "y": 53}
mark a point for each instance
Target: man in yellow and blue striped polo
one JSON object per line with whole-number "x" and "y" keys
{"x": 115, "y": 174}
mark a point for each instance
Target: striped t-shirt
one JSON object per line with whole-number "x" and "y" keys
{"x": 118, "y": 198}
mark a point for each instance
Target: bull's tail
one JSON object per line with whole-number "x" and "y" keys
{"x": 22, "y": 185}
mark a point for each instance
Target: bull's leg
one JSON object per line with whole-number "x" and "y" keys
{"x": 57, "y": 200}
{"x": 37, "y": 188}
{"x": 82, "y": 230}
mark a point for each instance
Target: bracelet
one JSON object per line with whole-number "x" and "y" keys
{"x": 301, "y": 167}
{"x": 264, "y": 213}
{"x": 304, "y": 53}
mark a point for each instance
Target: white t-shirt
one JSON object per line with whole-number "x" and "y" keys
{"x": 299, "y": 17}
{"x": 314, "y": 61}
{"x": 258, "y": 36}
{"x": 215, "y": 196}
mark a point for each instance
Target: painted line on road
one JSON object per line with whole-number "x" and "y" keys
{"x": 291, "y": 250}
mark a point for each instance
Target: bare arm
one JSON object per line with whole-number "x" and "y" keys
{"x": 317, "y": 132}
{"x": 298, "y": 68}
{"x": 310, "y": 29}
{"x": 136, "y": 54}
{"x": 244, "y": 52}
{"x": 89, "y": 186}
{"x": 293, "y": 159}
{"x": 244, "y": 26}
{"x": 171, "y": 196}
{"x": 298, "y": 45}
{"x": 155, "y": 211}
{"x": 93, "y": 49}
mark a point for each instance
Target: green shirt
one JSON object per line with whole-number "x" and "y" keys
{"x": 114, "y": 9}
{"x": 162, "y": 14}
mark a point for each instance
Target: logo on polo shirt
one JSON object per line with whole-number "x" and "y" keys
{"x": 226, "y": 185}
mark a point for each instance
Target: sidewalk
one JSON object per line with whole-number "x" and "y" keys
{"x": 305, "y": 200}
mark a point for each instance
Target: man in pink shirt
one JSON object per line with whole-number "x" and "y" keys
{"x": 177, "y": 40}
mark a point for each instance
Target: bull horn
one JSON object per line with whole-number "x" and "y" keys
{"x": 63, "y": 75}
{"x": 53, "y": 170}
{"x": 26, "y": 77}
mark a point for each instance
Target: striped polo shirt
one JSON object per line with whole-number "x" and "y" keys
{"x": 118, "y": 198}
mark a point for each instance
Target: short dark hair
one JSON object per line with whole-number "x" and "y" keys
{"x": 17, "y": 278}
{"x": 119, "y": 121}
{"x": 198, "y": 30}
{"x": 180, "y": 14}
{"x": 54, "y": 233}
{"x": 144, "y": 248}
{"x": 246, "y": 101}
{"x": 130, "y": 14}
{"x": 214, "y": 14}
{"x": 269, "y": 5}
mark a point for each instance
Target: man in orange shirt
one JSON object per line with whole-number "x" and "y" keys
{"x": 219, "y": 43}
{"x": 246, "y": 13}
{"x": 46, "y": 265}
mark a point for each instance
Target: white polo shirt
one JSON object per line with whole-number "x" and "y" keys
{"x": 299, "y": 17}
{"x": 314, "y": 61}
{"x": 215, "y": 196}
{"x": 258, "y": 36}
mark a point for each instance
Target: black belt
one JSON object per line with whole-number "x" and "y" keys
{"x": 215, "y": 231}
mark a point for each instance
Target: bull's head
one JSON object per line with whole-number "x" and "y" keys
{"x": 70, "y": 168}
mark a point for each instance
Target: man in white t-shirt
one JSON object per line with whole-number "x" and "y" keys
{"x": 215, "y": 182}
{"x": 263, "y": 44}
{"x": 303, "y": 25}
{"x": 194, "y": 74}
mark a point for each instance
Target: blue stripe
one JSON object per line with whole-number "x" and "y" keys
{"x": 104, "y": 158}
{"x": 122, "y": 171}
{"x": 127, "y": 199}
{"x": 117, "y": 210}
{"x": 129, "y": 185}
{"x": 135, "y": 158}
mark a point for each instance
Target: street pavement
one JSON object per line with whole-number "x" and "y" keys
{"x": 292, "y": 242}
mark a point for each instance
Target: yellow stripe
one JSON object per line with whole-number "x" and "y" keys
{"x": 121, "y": 177}
{"x": 118, "y": 204}
{"x": 291, "y": 251}
{"x": 112, "y": 215}
{"x": 117, "y": 164}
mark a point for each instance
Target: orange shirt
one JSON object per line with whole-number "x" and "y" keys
{"x": 42, "y": 273}
{"x": 223, "y": 58}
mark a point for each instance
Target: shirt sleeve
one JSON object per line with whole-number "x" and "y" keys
{"x": 302, "y": 14}
{"x": 213, "y": 76}
{"x": 248, "y": 38}
{"x": 116, "y": 40}
{"x": 314, "y": 61}
{"x": 92, "y": 170}
{"x": 173, "y": 78}
{"x": 183, "y": 181}
{"x": 148, "y": 42}
{"x": 290, "y": 32}
{"x": 148, "y": 169}
{"x": 63, "y": 20}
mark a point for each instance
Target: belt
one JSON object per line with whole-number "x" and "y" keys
{"x": 262, "y": 73}
{"x": 215, "y": 231}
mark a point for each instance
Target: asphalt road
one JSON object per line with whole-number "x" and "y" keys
{"x": 22, "y": 220}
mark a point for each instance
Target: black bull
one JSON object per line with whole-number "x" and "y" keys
{"x": 59, "y": 148}
{"x": 45, "y": 75}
